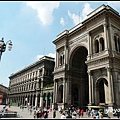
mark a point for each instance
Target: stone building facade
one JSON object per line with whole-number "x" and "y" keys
{"x": 33, "y": 84}
{"x": 87, "y": 67}
{"x": 3, "y": 94}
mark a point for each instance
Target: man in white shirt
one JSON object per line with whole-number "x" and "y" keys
{"x": 63, "y": 116}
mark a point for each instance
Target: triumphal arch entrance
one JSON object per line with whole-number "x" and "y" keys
{"x": 87, "y": 68}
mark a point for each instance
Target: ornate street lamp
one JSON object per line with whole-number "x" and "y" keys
{"x": 3, "y": 46}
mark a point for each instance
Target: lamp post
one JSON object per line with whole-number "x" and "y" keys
{"x": 3, "y": 46}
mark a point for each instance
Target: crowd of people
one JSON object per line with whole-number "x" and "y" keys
{"x": 70, "y": 112}
{"x": 74, "y": 113}
{"x": 37, "y": 112}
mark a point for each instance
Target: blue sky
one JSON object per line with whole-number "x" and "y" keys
{"x": 34, "y": 25}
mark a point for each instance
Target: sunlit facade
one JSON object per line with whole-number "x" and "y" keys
{"x": 33, "y": 84}
{"x": 87, "y": 66}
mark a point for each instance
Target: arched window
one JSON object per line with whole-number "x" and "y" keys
{"x": 40, "y": 72}
{"x": 96, "y": 46}
{"x": 63, "y": 59}
{"x": 115, "y": 40}
{"x": 102, "y": 46}
{"x": 118, "y": 44}
{"x": 60, "y": 60}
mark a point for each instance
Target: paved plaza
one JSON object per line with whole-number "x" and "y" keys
{"x": 25, "y": 114}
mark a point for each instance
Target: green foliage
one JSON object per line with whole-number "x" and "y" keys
{"x": 49, "y": 85}
{"x": 14, "y": 103}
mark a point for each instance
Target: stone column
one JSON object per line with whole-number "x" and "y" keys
{"x": 22, "y": 100}
{"x": 46, "y": 101}
{"x": 105, "y": 36}
{"x": 41, "y": 93}
{"x": 56, "y": 65}
{"x": 110, "y": 86}
{"x": 67, "y": 91}
{"x": 89, "y": 46}
{"x": 90, "y": 88}
{"x": 63, "y": 93}
{"x": 64, "y": 90}
{"x": 54, "y": 95}
{"x": 32, "y": 99}
{"x": 56, "y": 92}
{"x": 36, "y": 92}
{"x": 51, "y": 100}
{"x": 36, "y": 99}
{"x": 110, "y": 37}
{"x": 29, "y": 99}
{"x": 95, "y": 94}
{"x": 92, "y": 84}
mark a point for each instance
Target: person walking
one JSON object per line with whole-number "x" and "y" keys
{"x": 38, "y": 114}
{"x": 22, "y": 107}
{"x": 79, "y": 112}
{"x": 118, "y": 114}
{"x": 3, "y": 112}
{"x": 63, "y": 116}
{"x": 73, "y": 116}
{"x": 54, "y": 113}
{"x": 88, "y": 112}
{"x": 82, "y": 113}
{"x": 30, "y": 109}
{"x": 45, "y": 114}
{"x": 68, "y": 115}
{"x": 34, "y": 114}
{"x": 41, "y": 113}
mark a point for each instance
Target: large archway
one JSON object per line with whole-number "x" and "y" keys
{"x": 102, "y": 86}
{"x": 60, "y": 94}
{"x": 79, "y": 77}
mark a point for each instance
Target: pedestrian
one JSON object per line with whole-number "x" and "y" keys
{"x": 63, "y": 116}
{"x": 74, "y": 112}
{"x": 79, "y": 113}
{"x": 45, "y": 114}
{"x": 118, "y": 114}
{"x": 54, "y": 113}
{"x": 9, "y": 105}
{"x": 88, "y": 112}
{"x": 38, "y": 114}
{"x": 34, "y": 114}
{"x": 60, "y": 110}
{"x": 30, "y": 110}
{"x": 73, "y": 116}
{"x": 36, "y": 107}
{"x": 82, "y": 112}
{"x": 22, "y": 107}
{"x": 50, "y": 109}
{"x": 3, "y": 112}
{"x": 68, "y": 115}
{"x": 41, "y": 113}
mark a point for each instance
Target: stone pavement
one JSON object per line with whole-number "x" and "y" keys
{"x": 25, "y": 114}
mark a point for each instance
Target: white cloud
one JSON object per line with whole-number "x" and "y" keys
{"x": 44, "y": 10}
{"x": 62, "y": 22}
{"x": 86, "y": 10}
{"x": 75, "y": 18}
{"x": 50, "y": 55}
